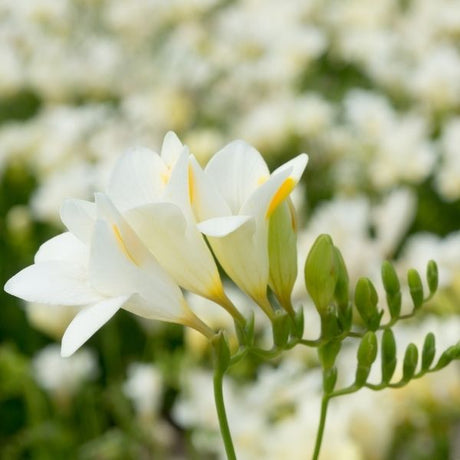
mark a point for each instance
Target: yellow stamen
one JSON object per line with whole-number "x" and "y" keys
{"x": 282, "y": 193}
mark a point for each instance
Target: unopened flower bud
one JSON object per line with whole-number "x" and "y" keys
{"x": 321, "y": 272}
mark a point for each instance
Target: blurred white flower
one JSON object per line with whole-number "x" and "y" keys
{"x": 61, "y": 376}
{"x": 144, "y": 386}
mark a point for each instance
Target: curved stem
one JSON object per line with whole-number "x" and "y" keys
{"x": 321, "y": 426}
{"x": 222, "y": 414}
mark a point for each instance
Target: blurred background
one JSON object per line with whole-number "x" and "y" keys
{"x": 370, "y": 90}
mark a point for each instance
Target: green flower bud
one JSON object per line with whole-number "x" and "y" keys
{"x": 282, "y": 252}
{"x": 392, "y": 288}
{"x": 390, "y": 278}
{"x": 321, "y": 272}
{"x": 388, "y": 355}
{"x": 429, "y": 350}
{"x": 328, "y": 353}
{"x": 281, "y": 325}
{"x": 449, "y": 355}
{"x": 221, "y": 351}
{"x": 432, "y": 276}
{"x": 415, "y": 287}
{"x": 366, "y": 300}
{"x": 410, "y": 362}
{"x": 367, "y": 353}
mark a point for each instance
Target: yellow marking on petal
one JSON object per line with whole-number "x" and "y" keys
{"x": 166, "y": 175}
{"x": 191, "y": 184}
{"x": 281, "y": 194}
{"x": 122, "y": 244}
{"x": 262, "y": 179}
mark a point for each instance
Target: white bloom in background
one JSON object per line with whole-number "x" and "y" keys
{"x": 422, "y": 247}
{"x": 144, "y": 387}
{"x": 447, "y": 176}
{"x": 392, "y": 218}
{"x": 102, "y": 266}
{"x": 233, "y": 200}
{"x": 436, "y": 81}
{"x": 62, "y": 376}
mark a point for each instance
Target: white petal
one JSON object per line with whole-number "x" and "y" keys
{"x": 178, "y": 190}
{"x": 171, "y": 148}
{"x": 138, "y": 178}
{"x": 52, "y": 282}
{"x": 63, "y": 247}
{"x": 177, "y": 245}
{"x": 222, "y": 226}
{"x": 79, "y": 216}
{"x": 243, "y": 255}
{"x": 116, "y": 271}
{"x": 237, "y": 170}
{"x": 112, "y": 267}
{"x": 87, "y": 322}
{"x": 297, "y": 166}
{"x": 206, "y": 200}
{"x": 161, "y": 311}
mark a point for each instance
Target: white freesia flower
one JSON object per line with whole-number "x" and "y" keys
{"x": 153, "y": 192}
{"x": 233, "y": 199}
{"x": 102, "y": 266}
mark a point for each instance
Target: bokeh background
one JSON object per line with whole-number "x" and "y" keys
{"x": 370, "y": 89}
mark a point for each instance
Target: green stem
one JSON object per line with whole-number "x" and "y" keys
{"x": 322, "y": 424}
{"x": 222, "y": 415}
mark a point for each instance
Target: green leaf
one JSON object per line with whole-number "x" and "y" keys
{"x": 388, "y": 355}
{"x": 415, "y": 287}
{"x": 429, "y": 350}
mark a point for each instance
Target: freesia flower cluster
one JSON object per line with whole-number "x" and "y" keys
{"x": 143, "y": 240}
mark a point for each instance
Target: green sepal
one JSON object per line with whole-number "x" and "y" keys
{"x": 429, "y": 351}
{"x": 321, "y": 272}
{"x": 410, "y": 362}
{"x": 389, "y": 359}
{"x": 432, "y": 276}
{"x": 415, "y": 288}
{"x": 342, "y": 286}
{"x": 367, "y": 354}
{"x": 328, "y": 353}
{"x": 329, "y": 379}
{"x": 298, "y": 323}
{"x": 221, "y": 351}
{"x": 342, "y": 294}
{"x": 330, "y": 327}
{"x": 366, "y": 300}
{"x": 245, "y": 333}
{"x": 281, "y": 325}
